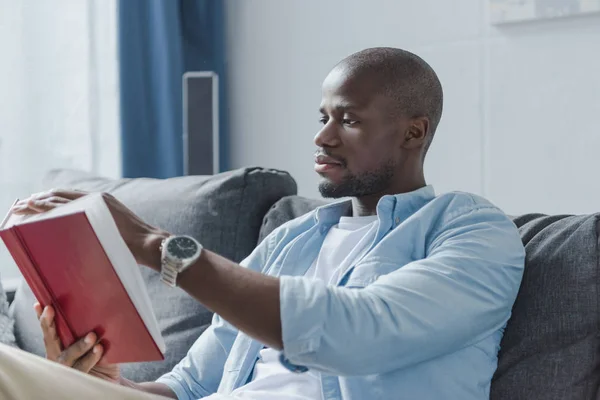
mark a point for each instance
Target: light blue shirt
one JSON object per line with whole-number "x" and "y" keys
{"x": 420, "y": 316}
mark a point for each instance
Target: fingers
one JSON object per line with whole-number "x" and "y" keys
{"x": 71, "y": 194}
{"x": 83, "y": 355}
{"x": 51, "y": 340}
{"x": 38, "y": 310}
{"x": 39, "y": 206}
{"x": 89, "y": 360}
{"x": 78, "y": 350}
{"x": 45, "y": 201}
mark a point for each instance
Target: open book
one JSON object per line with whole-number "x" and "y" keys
{"x": 74, "y": 258}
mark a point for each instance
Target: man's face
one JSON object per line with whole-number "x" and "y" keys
{"x": 360, "y": 141}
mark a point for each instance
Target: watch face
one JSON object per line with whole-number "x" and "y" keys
{"x": 182, "y": 247}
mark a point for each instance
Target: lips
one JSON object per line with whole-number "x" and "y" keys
{"x": 327, "y": 160}
{"x": 324, "y": 164}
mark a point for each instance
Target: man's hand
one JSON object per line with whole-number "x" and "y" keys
{"x": 84, "y": 355}
{"x": 142, "y": 239}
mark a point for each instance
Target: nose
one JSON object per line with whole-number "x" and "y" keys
{"x": 328, "y": 135}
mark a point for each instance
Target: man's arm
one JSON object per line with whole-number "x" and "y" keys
{"x": 461, "y": 293}
{"x": 150, "y": 387}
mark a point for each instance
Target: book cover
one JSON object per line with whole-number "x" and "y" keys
{"x": 66, "y": 266}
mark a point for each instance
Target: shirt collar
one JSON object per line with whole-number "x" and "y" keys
{"x": 398, "y": 207}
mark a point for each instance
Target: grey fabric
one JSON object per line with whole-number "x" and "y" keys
{"x": 286, "y": 209}
{"x": 224, "y": 212}
{"x": 6, "y": 322}
{"x": 550, "y": 348}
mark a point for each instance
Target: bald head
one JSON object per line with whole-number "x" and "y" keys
{"x": 404, "y": 77}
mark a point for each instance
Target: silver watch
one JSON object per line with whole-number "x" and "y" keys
{"x": 177, "y": 254}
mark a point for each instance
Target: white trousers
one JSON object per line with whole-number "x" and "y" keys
{"x": 24, "y": 376}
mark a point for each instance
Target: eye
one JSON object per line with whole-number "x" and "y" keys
{"x": 323, "y": 120}
{"x": 349, "y": 122}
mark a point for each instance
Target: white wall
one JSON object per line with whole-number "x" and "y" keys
{"x": 521, "y": 123}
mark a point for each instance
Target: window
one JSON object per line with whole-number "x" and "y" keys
{"x": 59, "y": 97}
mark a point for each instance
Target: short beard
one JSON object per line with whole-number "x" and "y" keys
{"x": 365, "y": 184}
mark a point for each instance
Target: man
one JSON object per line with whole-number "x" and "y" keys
{"x": 394, "y": 294}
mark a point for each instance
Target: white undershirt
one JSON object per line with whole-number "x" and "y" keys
{"x": 344, "y": 244}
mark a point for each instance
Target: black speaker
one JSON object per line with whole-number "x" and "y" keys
{"x": 200, "y": 123}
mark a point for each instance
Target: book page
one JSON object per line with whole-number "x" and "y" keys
{"x": 124, "y": 264}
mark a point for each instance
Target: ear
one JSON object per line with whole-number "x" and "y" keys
{"x": 416, "y": 133}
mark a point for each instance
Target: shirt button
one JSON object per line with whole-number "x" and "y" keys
{"x": 397, "y": 220}
{"x": 294, "y": 368}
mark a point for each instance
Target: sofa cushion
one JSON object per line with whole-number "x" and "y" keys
{"x": 224, "y": 212}
{"x": 550, "y": 348}
{"x": 551, "y": 345}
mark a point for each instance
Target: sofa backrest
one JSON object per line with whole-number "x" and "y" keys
{"x": 224, "y": 212}
{"x": 551, "y": 345}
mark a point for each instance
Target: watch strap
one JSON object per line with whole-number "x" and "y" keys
{"x": 168, "y": 273}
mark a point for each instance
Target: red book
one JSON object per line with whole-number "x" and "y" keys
{"x": 74, "y": 259}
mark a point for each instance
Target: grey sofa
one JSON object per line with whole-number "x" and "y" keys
{"x": 551, "y": 346}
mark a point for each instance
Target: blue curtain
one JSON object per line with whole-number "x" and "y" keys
{"x": 159, "y": 40}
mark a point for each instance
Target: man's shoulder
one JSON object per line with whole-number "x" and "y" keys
{"x": 450, "y": 208}
{"x": 473, "y": 218}
{"x": 456, "y": 203}
{"x": 464, "y": 199}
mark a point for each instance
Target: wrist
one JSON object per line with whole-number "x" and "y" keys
{"x": 152, "y": 249}
{"x": 127, "y": 383}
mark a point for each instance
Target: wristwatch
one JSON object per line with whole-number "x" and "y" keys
{"x": 177, "y": 253}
